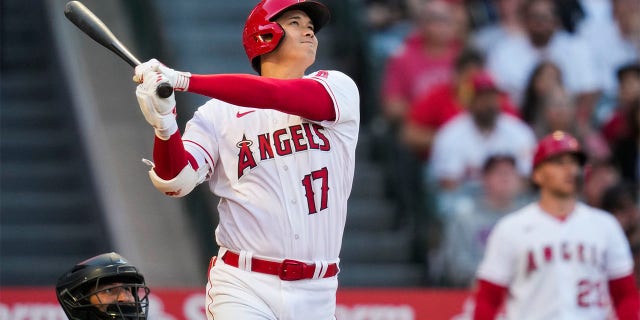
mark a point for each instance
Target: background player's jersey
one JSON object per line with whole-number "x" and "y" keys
{"x": 284, "y": 181}
{"x": 556, "y": 269}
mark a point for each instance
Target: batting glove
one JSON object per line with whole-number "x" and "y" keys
{"x": 160, "y": 113}
{"x": 179, "y": 80}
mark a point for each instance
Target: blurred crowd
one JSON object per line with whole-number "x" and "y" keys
{"x": 467, "y": 87}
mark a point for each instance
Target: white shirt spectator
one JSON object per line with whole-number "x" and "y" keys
{"x": 460, "y": 149}
{"x": 512, "y": 61}
{"x": 487, "y": 37}
{"x": 610, "y": 50}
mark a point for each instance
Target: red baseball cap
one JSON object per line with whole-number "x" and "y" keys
{"x": 482, "y": 81}
{"x": 557, "y": 143}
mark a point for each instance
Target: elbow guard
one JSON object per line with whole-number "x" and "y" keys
{"x": 182, "y": 184}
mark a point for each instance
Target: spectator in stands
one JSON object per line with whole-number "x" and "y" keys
{"x": 615, "y": 42}
{"x": 622, "y": 129}
{"x": 445, "y": 101}
{"x": 595, "y": 11}
{"x": 545, "y": 78}
{"x": 570, "y": 13}
{"x": 425, "y": 59}
{"x": 547, "y": 107}
{"x": 513, "y": 59}
{"x": 462, "y": 145}
{"x": 509, "y": 24}
{"x": 625, "y": 149}
{"x": 468, "y": 226}
{"x": 558, "y": 112}
{"x": 387, "y": 24}
{"x": 621, "y": 200}
{"x": 628, "y": 96}
{"x": 462, "y": 21}
{"x": 103, "y": 287}
{"x": 598, "y": 177}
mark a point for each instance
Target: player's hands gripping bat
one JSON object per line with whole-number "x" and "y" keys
{"x": 179, "y": 80}
{"x": 159, "y": 113}
{"x": 90, "y": 24}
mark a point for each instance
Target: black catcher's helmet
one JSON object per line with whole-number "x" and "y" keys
{"x": 86, "y": 281}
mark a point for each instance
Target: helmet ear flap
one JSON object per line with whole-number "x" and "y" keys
{"x": 265, "y": 45}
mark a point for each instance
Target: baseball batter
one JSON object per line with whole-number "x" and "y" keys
{"x": 279, "y": 150}
{"x": 557, "y": 258}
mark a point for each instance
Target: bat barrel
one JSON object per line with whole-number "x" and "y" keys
{"x": 90, "y": 24}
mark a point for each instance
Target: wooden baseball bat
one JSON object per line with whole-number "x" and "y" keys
{"x": 90, "y": 24}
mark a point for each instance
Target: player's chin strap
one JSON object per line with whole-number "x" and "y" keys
{"x": 182, "y": 184}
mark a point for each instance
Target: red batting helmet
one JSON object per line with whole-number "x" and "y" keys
{"x": 261, "y": 23}
{"x": 557, "y": 143}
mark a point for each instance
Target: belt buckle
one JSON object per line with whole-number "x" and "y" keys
{"x": 291, "y": 270}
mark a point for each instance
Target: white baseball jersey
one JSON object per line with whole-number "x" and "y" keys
{"x": 556, "y": 269}
{"x": 283, "y": 180}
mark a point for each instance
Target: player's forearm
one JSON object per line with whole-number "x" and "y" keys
{"x": 489, "y": 298}
{"x": 625, "y": 297}
{"x": 303, "y": 97}
{"x": 170, "y": 157}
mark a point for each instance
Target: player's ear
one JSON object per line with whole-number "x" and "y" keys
{"x": 536, "y": 177}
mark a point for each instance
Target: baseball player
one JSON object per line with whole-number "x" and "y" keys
{"x": 557, "y": 258}
{"x": 103, "y": 287}
{"x": 279, "y": 151}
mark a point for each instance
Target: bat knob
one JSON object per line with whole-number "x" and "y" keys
{"x": 164, "y": 90}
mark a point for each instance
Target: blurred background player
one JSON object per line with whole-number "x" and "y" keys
{"x": 279, "y": 150}
{"x": 103, "y": 287}
{"x": 557, "y": 257}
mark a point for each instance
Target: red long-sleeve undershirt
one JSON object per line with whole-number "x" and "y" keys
{"x": 303, "y": 97}
{"x": 623, "y": 291}
{"x": 625, "y": 297}
{"x": 489, "y": 298}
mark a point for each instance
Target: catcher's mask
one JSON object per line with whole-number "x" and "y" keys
{"x": 262, "y": 34}
{"x": 103, "y": 287}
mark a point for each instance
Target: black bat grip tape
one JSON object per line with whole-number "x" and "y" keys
{"x": 164, "y": 90}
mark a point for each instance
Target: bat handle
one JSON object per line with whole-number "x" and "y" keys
{"x": 164, "y": 90}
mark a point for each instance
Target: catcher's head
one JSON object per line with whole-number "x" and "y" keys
{"x": 103, "y": 287}
{"x": 262, "y": 34}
